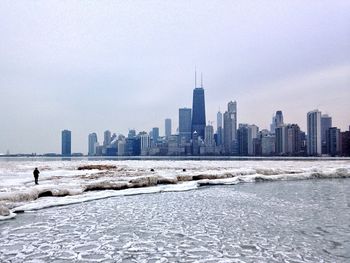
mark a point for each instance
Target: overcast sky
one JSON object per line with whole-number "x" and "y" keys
{"x": 88, "y": 66}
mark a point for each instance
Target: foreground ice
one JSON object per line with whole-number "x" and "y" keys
{"x": 62, "y": 183}
{"x": 281, "y": 221}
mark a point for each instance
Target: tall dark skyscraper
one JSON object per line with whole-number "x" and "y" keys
{"x": 198, "y": 111}
{"x": 66, "y": 143}
{"x": 326, "y": 123}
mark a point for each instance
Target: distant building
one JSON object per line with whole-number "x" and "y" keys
{"x": 66, "y": 143}
{"x": 345, "y": 143}
{"x": 167, "y": 128}
{"x": 333, "y": 141}
{"x": 155, "y": 135}
{"x": 92, "y": 144}
{"x": 121, "y": 147}
{"x": 294, "y": 142}
{"x": 242, "y": 138}
{"x": 281, "y": 140}
{"x": 277, "y": 121}
{"x": 145, "y": 143}
{"x": 326, "y": 123}
{"x": 288, "y": 140}
{"x": 253, "y": 131}
{"x": 209, "y": 136}
{"x": 219, "y": 129}
{"x": 185, "y": 123}
{"x": 107, "y": 138}
{"x": 314, "y": 133}
{"x": 230, "y": 128}
{"x": 268, "y": 145}
{"x": 198, "y": 112}
{"x": 131, "y": 134}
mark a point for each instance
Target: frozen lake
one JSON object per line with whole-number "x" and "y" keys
{"x": 284, "y": 221}
{"x": 213, "y": 211}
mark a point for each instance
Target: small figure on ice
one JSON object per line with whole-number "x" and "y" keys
{"x": 36, "y": 175}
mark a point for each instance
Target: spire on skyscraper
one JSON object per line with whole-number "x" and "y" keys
{"x": 201, "y": 80}
{"x": 195, "y": 77}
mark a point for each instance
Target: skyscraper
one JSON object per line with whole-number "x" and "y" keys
{"x": 185, "y": 124}
{"x": 314, "y": 133}
{"x": 326, "y": 123}
{"x": 198, "y": 112}
{"x": 155, "y": 135}
{"x": 219, "y": 130}
{"x": 66, "y": 143}
{"x": 333, "y": 141}
{"x": 277, "y": 121}
{"x": 167, "y": 128}
{"x": 230, "y": 127}
{"x": 242, "y": 138}
{"x": 92, "y": 143}
{"x": 209, "y": 136}
{"x": 253, "y": 131}
{"x": 107, "y": 138}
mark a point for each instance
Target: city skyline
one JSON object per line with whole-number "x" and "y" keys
{"x": 97, "y": 67}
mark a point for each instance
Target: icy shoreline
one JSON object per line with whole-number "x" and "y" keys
{"x": 62, "y": 183}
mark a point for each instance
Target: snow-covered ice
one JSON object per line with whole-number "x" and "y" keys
{"x": 61, "y": 182}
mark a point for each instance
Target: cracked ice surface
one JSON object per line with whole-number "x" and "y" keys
{"x": 295, "y": 221}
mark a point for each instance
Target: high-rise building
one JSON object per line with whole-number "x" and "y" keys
{"x": 253, "y": 131}
{"x": 314, "y": 133}
{"x": 345, "y": 143}
{"x": 167, "y": 128}
{"x": 218, "y": 120}
{"x": 293, "y": 139}
{"x": 66, "y": 143}
{"x": 219, "y": 130}
{"x": 131, "y": 134}
{"x": 242, "y": 138}
{"x": 333, "y": 141}
{"x": 209, "y": 136}
{"x": 145, "y": 143}
{"x": 268, "y": 145}
{"x": 155, "y": 134}
{"x": 277, "y": 121}
{"x": 185, "y": 121}
{"x": 288, "y": 139}
{"x": 198, "y": 112}
{"x": 107, "y": 138}
{"x": 326, "y": 123}
{"x": 92, "y": 144}
{"x": 230, "y": 128}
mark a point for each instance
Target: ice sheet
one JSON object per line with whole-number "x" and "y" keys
{"x": 61, "y": 183}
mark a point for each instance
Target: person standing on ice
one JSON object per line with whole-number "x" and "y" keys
{"x": 36, "y": 175}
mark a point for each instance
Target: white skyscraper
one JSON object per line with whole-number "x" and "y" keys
{"x": 230, "y": 127}
{"x": 314, "y": 142}
{"x": 92, "y": 143}
{"x": 219, "y": 129}
{"x": 209, "y": 135}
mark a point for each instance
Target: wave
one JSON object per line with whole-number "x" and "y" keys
{"x": 85, "y": 188}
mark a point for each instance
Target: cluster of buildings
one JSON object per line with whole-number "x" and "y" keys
{"x": 194, "y": 137}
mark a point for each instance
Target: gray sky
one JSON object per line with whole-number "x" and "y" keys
{"x": 89, "y": 66}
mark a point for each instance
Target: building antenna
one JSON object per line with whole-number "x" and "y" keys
{"x": 201, "y": 80}
{"x": 195, "y": 77}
